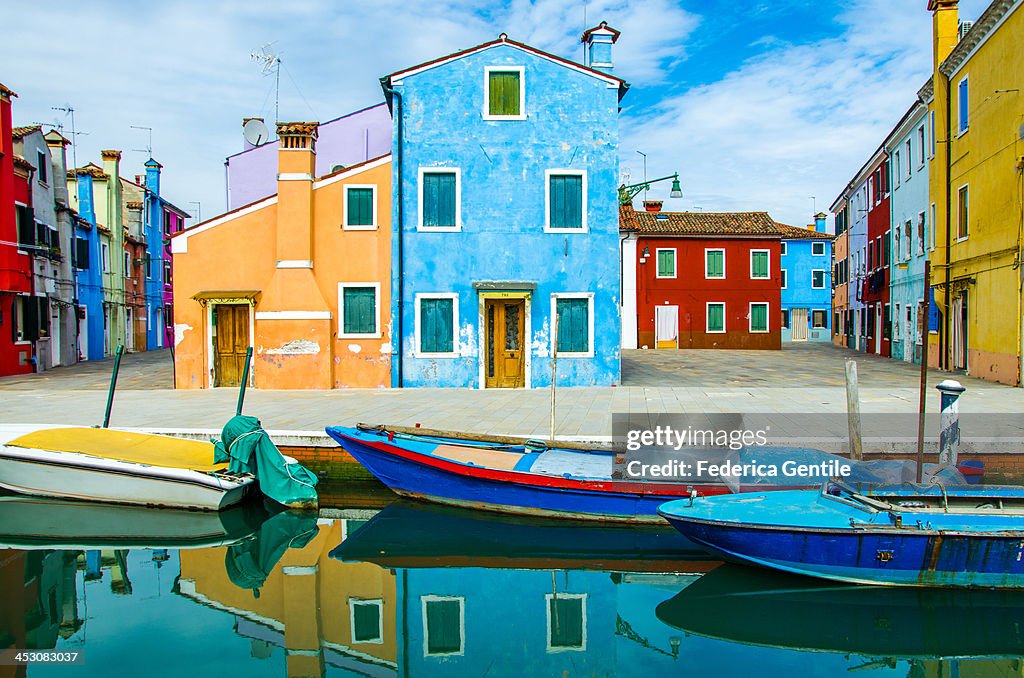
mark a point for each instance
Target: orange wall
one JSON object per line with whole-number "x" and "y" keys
{"x": 241, "y": 253}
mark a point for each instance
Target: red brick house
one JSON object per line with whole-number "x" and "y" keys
{"x": 700, "y": 280}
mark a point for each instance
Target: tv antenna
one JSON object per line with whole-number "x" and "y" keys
{"x": 68, "y": 109}
{"x": 270, "y": 62}
{"x": 148, "y": 150}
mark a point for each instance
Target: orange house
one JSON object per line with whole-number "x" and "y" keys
{"x": 302, "y": 276}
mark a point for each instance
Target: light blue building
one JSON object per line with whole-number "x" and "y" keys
{"x": 88, "y": 269}
{"x": 806, "y": 268}
{"x": 908, "y": 149}
{"x": 506, "y": 217}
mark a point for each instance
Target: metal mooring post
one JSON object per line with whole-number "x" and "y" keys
{"x": 113, "y": 384}
{"x": 245, "y": 381}
{"x": 949, "y": 434}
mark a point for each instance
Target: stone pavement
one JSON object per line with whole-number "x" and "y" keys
{"x": 805, "y": 379}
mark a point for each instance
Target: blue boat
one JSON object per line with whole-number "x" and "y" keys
{"x": 960, "y": 536}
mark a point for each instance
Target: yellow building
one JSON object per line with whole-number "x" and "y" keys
{"x": 304, "y": 277}
{"x": 976, "y": 109}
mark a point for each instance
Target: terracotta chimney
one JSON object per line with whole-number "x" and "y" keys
{"x": 653, "y": 205}
{"x": 296, "y": 162}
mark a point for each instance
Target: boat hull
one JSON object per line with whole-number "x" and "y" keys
{"x": 82, "y": 477}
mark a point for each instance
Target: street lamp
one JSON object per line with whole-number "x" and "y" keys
{"x": 627, "y": 193}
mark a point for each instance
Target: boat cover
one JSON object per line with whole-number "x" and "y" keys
{"x": 250, "y": 562}
{"x": 248, "y": 449}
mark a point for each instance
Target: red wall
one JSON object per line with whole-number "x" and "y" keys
{"x": 878, "y": 232}
{"x": 690, "y": 291}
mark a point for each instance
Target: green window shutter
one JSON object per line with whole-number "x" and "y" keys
{"x": 716, "y": 318}
{"x": 437, "y": 316}
{"x": 360, "y": 206}
{"x": 366, "y": 625}
{"x": 565, "y": 201}
{"x": 759, "y": 318}
{"x": 360, "y": 310}
{"x": 503, "y": 95}
{"x": 716, "y": 264}
{"x": 444, "y": 635}
{"x": 566, "y": 622}
{"x": 667, "y": 264}
{"x": 439, "y": 199}
{"x": 573, "y": 325}
{"x": 759, "y": 267}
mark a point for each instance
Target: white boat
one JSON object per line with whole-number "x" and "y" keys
{"x": 119, "y": 467}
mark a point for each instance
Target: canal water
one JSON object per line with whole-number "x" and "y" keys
{"x": 378, "y": 587}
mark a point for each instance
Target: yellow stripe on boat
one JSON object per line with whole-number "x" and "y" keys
{"x": 139, "y": 448}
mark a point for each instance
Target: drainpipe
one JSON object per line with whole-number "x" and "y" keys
{"x": 947, "y": 297}
{"x": 400, "y": 229}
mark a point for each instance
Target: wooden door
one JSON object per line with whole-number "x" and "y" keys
{"x": 506, "y": 364}
{"x": 798, "y": 324}
{"x": 231, "y": 323}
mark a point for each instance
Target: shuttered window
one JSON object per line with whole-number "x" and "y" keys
{"x": 759, "y": 264}
{"x": 439, "y": 199}
{"x": 504, "y": 93}
{"x": 82, "y": 253}
{"x": 565, "y": 621}
{"x": 716, "y": 317}
{"x": 443, "y": 621}
{"x": 565, "y": 201}
{"x": 818, "y": 279}
{"x": 573, "y": 325}
{"x": 26, "y": 225}
{"x": 759, "y": 317}
{"x": 714, "y": 266}
{"x": 359, "y": 310}
{"x": 437, "y": 321}
{"x": 359, "y": 207}
{"x": 666, "y": 263}
{"x": 366, "y": 621}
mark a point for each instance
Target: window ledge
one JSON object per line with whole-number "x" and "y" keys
{"x": 359, "y": 227}
{"x": 488, "y": 116}
{"x": 438, "y": 229}
{"x": 420, "y": 354}
{"x": 575, "y": 354}
{"x": 349, "y": 335}
{"x": 548, "y": 229}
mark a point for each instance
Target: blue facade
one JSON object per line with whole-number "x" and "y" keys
{"x": 807, "y": 292}
{"x": 857, "y": 246}
{"x": 911, "y": 222}
{"x": 516, "y": 179}
{"x": 153, "y": 221}
{"x": 89, "y": 280}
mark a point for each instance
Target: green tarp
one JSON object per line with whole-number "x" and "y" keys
{"x": 248, "y": 449}
{"x": 251, "y": 561}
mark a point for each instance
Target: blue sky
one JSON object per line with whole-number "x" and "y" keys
{"x": 758, "y": 105}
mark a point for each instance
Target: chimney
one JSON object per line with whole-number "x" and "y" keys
{"x": 598, "y": 50}
{"x": 57, "y": 143}
{"x": 819, "y": 222}
{"x": 296, "y": 162}
{"x": 945, "y": 28}
{"x": 111, "y": 163}
{"x": 653, "y": 205}
{"x": 153, "y": 176}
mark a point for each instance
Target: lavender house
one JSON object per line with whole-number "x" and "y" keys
{"x": 353, "y": 138}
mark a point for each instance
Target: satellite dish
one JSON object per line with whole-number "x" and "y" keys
{"x": 256, "y": 132}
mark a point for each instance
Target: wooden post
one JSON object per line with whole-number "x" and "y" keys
{"x": 924, "y": 368}
{"x": 245, "y": 381}
{"x": 113, "y": 384}
{"x": 853, "y": 411}
{"x": 554, "y": 369}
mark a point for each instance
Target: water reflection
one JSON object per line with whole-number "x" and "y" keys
{"x": 421, "y": 591}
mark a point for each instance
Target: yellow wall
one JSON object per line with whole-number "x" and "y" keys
{"x": 985, "y": 158}
{"x": 242, "y": 253}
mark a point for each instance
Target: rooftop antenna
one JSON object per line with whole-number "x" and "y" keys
{"x": 648, "y": 188}
{"x": 270, "y": 62}
{"x": 814, "y": 204}
{"x": 68, "y": 109}
{"x": 584, "y": 30}
{"x": 148, "y": 150}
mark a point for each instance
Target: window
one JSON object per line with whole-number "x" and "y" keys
{"x": 567, "y": 621}
{"x": 819, "y": 319}
{"x": 931, "y": 231}
{"x": 360, "y": 208}
{"x": 899, "y": 242}
{"x": 574, "y": 315}
{"x": 504, "y": 93}
{"x": 81, "y": 253}
{"x": 920, "y": 145}
{"x": 437, "y": 317}
{"x": 41, "y": 163}
{"x": 26, "y": 225}
{"x": 783, "y": 272}
{"x": 886, "y": 250}
{"x": 714, "y": 263}
{"x": 896, "y": 167}
{"x": 127, "y": 264}
{"x": 818, "y": 279}
{"x": 818, "y": 249}
{"x": 759, "y": 268}
{"x": 758, "y": 317}
{"x": 440, "y": 196}
{"x": 910, "y": 162}
{"x": 357, "y": 309}
{"x": 962, "y": 106}
{"x": 871, "y": 255}
{"x": 931, "y": 135}
{"x": 444, "y": 625}
{"x": 782, "y": 249}
{"x": 785, "y": 318}
{"x": 962, "y": 214}
{"x": 566, "y": 201}
{"x": 168, "y": 276}
{"x": 149, "y": 267}
{"x": 366, "y": 620}
{"x": 666, "y": 263}
{"x": 715, "y": 317}
{"x": 921, "y": 227}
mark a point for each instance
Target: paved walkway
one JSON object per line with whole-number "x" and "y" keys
{"x": 804, "y": 380}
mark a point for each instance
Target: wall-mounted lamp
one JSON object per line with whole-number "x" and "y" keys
{"x": 646, "y": 253}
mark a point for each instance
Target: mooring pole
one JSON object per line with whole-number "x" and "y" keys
{"x": 245, "y": 381}
{"x": 554, "y": 370}
{"x": 113, "y": 384}
{"x": 949, "y": 433}
{"x": 925, "y": 310}
{"x": 853, "y": 411}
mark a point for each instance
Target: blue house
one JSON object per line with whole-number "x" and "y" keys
{"x": 88, "y": 269}
{"x": 806, "y": 264}
{"x": 908, "y": 151}
{"x": 506, "y": 217}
